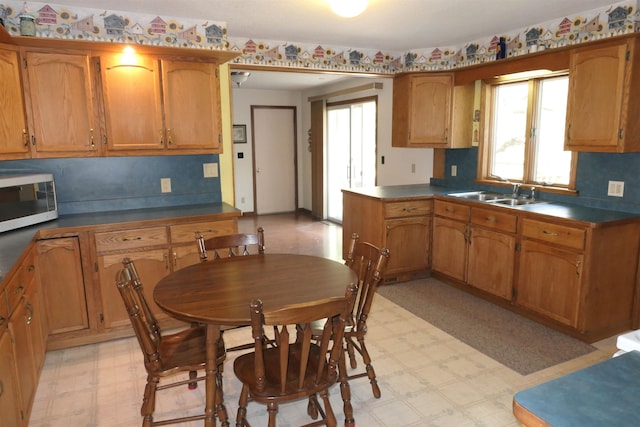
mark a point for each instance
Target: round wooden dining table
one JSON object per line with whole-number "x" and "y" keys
{"x": 219, "y": 293}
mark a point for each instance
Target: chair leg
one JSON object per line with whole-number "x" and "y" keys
{"x": 149, "y": 401}
{"x": 370, "y": 372}
{"x": 193, "y": 375}
{"x": 330, "y": 417}
{"x": 352, "y": 354}
{"x": 345, "y": 392}
{"x": 312, "y": 408}
{"x": 241, "y": 417}
{"x": 272, "y": 408}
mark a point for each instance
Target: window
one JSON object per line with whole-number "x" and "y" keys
{"x": 526, "y": 133}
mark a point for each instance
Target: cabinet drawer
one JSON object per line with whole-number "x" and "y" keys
{"x": 20, "y": 281}
{"x": 131, "y": 239}
{"x": 491, "y": 218}
{"x": 452, "y": 210}
{"x": 408, "y": 208}
{"x": 554, "y": 233}
{"x": 186, "y": 233}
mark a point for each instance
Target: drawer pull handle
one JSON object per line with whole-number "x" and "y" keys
{"x": 19, "y": 290}
{"x": 550, "y": 233}
{"x": 31, "y": 267}
{"x": 30, "y": 313}
{"x": 204, "y": 231}
{"x": 408, "y": 209}
{"x": 490, "y": 219}
{"x": 1, "y": 388}
{"x": 2, "y": 320}
{"x": 128, "y": 239}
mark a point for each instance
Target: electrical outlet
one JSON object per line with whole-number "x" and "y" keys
{"x": 616, "y": 188}
{"x": 242, "y": 200}
{"x": 413, "y": 168}
{"x": 454, "y": 170}
{"x": 165, "y": 185}
{"x": 210, "y": 170}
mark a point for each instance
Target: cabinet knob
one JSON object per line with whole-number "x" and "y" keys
{"x": 169, "y": 141}
{"x": 25, "y": 137}
{"x": 91, "y": 138}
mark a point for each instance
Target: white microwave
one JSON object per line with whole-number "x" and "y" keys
{"x": 26, "y": 200}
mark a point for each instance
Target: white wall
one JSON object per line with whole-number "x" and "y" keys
{"x": 396, "y": 170}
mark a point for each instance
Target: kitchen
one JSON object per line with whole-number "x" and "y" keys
{"x": 147, "y": 173}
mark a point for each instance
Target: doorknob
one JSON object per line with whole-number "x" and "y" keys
{"x": 258, "y": 170}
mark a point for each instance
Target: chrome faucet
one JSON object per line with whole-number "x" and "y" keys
{"x": 516, "y": 190}
{"x": 532, "y": 196}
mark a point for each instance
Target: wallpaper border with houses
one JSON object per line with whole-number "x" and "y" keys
{"x": 59, "y": 21}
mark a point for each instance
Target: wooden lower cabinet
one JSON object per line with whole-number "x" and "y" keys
{"x": 27, "y": 337}
{"x": 491, "y": 262}
{"x": 62, "y": 281}
{"x": 10, "y": 408}
{"x": 549, "y": 281}
{"x": 409, "y": 257}
{"x": 402, "y": 226}
{"x": 151, "y": 265}
{"x": 450, "y": 248}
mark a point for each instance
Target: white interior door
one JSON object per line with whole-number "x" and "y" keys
{"x": 274, "y": 158}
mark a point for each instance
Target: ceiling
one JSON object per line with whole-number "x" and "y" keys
{"x": 391, "y": 26}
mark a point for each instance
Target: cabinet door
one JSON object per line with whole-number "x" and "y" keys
{"x": 596, "y": 90}
{"x": 19, "y": 327}
{"x": 549, "y": 281}
{"x": 491, "y": 262}
{"x": 191, "y": 93}
{"x": 152, "y": 266}
{"x": 61, "y": 104}
{"x": 430, "y": 110}
{"x": 132, "y": 103}
{"x": 62, "y": 281}
{"x": 14, "y": 141}
{"x": 184, "y": 256}
{"x": 408, "y": 242}
{"x": 450, "y": 247}
{"x": 10, "y": 407}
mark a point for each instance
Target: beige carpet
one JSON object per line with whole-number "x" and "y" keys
{"x": 514, "y": 341}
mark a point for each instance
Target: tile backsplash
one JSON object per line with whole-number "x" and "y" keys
{"x": 120, "y": 183}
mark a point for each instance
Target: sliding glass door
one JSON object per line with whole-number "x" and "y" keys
{"x": 351, "y": 150}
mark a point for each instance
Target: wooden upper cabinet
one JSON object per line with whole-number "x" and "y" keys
{"x": 132, "y": 103}
{"x": 192, "y": 105}
{"x": 60, "y": 104}
{"x": 14, "y": 141}
{"x": 602, "y": 110}
{"x": 422, "y": 110}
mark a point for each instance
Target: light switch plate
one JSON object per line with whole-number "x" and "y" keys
{"x": 165, "y": 185}
{"x": 616, "y": 189}
{"x": 210, "y": 170}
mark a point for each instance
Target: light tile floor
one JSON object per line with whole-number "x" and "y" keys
{"x": 427, "y": 378}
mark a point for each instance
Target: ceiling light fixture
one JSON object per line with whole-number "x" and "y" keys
{"x": 239, "y": 77}
{"x": 348, "y": 8}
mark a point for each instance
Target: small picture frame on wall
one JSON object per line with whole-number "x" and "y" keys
{"x": 239, "y": 134}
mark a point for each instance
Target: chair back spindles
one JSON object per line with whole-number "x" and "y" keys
{"x": 231, "y": 245}
{"x": 300, "y": 364}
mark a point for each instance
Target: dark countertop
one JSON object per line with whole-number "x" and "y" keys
{"x": 568, "y": 211}
{"x": 13, "y": 243}
{"x": 605, "y": 394}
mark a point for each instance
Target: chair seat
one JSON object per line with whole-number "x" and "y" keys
{"x": 184, "y": 350}
{"x": 244, "y": 367}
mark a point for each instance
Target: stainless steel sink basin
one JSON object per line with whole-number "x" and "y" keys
{"x": 516, "y": 202}
{"x": 494, "y": 198}
{"x": 482, "y": 196}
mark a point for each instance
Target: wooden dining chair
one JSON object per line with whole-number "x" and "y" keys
{"x": 166, "y": 355}
{"x": 369, "y": 263}
{"x": 298, "y": 366}
{"x": 230, "y": 245}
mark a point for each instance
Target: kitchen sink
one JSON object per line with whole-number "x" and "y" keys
{"x": 495, "y": 198}
{"x": 482, "y": 196}
{"x": 516, "y": 202}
